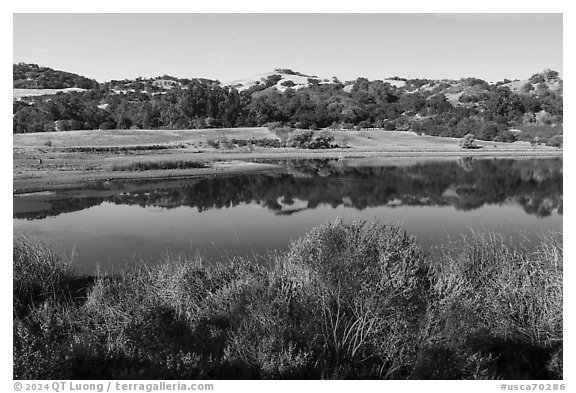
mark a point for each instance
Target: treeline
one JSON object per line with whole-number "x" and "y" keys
{"x": 485, "y": 110}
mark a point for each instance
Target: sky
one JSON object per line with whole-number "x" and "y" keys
{"x": 227, "y": 47}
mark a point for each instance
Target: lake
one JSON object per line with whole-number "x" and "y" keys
{"x": 112, "y": 225}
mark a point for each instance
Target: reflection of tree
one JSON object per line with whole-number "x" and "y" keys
{"x": 535, "y": 184}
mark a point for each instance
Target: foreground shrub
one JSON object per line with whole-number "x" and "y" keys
{"x": 39, "y": 274}
{"x": 371, "y": 286}
{"x": 348, "y": 300}
{"x": 497, "y": 309}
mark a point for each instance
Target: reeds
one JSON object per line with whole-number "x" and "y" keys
{"x": 158, "y": 165}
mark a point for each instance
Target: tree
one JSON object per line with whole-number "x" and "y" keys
{"x": 488, "y": 131}
{"x": 468, "y": 142}
{"x": 527, "y": 87}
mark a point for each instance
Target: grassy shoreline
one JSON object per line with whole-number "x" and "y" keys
{"x": 47, "y": 161}
{"x": 347, "y": 300}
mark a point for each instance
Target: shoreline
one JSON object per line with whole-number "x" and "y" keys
{"x": 223, "y": 163}
{"x": 232, "y": 163}
{"x": 65, "y": 160}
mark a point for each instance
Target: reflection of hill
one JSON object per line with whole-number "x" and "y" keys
{"x": 57, "y": 207}
{"x": 534, "y": 184}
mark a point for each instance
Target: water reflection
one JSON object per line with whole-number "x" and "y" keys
{"x": 467, "y": 184}
{"x": 109, "y": 225}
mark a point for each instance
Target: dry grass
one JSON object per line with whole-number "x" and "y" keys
{"x": 118, "y": 138}
{"x": 21, "y": 93}
{"x": 366, "y": 139}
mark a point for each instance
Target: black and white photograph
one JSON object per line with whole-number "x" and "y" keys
{"x": 287, "y": 196}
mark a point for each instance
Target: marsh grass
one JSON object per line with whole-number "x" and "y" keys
{"x": 158, "y": 165}
{"x": 119, "y": 149}
{"x": 348, "y": 300}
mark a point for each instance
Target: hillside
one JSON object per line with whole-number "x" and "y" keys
{"x": 32, "y": 76}
{"x": 277, "y": 79}
{"x": 546, "y": 80}
{"x": 452, "y": 108}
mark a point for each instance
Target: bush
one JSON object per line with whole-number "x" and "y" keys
{"x": 262, "y": 142}
{"x": 212, "y": 143}
{"x": 310, "y": 140}
{"x": 556, "y": 141}
{"x": 274, "y": 125}
{"x": 226, "y": 143}
{"x": 38, "y": 273}
{"x": 498, "y": 307}
{"x": 283, "y": 132}
{"x": 371, "y": 287}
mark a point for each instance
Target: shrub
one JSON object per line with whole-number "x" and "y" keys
{"x": 283, "y": 132}
{"x": 299, "y": 139}
{"x": 226, "y": 143}
{"x": 556, "y": 141}
{"x": 262, "y": 142}
{"x": 371, "y": 282}
{"x": 500, "y": 304}
{"x": 212, "y": 143}
{"x": 310, "y": 140}
{"x": 273, "y": 125}
{"x": 38, "y": 273}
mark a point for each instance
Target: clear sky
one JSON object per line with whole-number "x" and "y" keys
{"x": 234, "y": 46}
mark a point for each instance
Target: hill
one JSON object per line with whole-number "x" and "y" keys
{"x": 283, "y": 97}
{"x": 32, "y": 76}
{"x": 280, "y": 79}
{"x": 546, "y": 80}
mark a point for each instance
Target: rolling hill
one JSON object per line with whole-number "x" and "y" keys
{"x": 283, "y": 97}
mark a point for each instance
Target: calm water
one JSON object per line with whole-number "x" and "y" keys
{"x": 107, "y": 224}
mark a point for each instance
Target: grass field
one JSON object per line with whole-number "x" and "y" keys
{"x": 21, "y": 93}
{"x": 135, "y": 137}
{"x": 366, "y": 139}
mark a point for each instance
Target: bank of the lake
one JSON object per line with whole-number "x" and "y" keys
{"x": 56, "y": 160}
